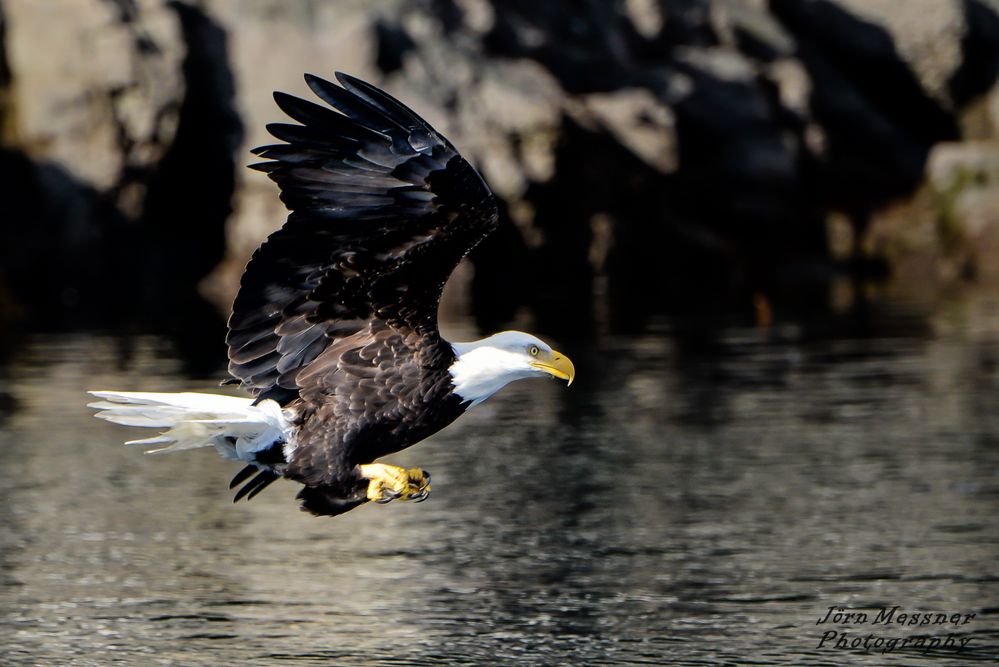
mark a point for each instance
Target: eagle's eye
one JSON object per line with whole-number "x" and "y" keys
{"x": 533, "y": 350}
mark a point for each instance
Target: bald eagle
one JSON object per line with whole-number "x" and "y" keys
{"x": 334, "y": 329}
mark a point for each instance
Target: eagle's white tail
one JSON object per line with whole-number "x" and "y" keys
{"x": 235, "y": 427}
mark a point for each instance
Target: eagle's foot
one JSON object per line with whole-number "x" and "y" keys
{"x": 387, "y": 483}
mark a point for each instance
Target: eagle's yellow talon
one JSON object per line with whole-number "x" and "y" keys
{"x": 387, "y": 483}
{"x": 378, "y": 492}
{"x": 420, "y": 480}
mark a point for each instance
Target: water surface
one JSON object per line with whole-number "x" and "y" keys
{"x": 687, "y": 501}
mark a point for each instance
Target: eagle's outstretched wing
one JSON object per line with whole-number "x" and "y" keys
{"x": 382, "y": 210}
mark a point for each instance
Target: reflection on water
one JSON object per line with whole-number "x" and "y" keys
{"x": 693, "y": 504}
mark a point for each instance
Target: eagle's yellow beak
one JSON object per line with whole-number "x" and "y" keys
{"x": 558, "y": 366}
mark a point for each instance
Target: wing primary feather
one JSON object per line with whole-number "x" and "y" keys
{"x": 384, "y": 102}
{"x": 266, "y": 167}
{"x": 353, "y": 106}
{"x": 313, "y": 115}
{"x": 303, "y": 134}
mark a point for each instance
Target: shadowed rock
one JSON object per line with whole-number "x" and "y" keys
{"x": 68, "y": 255}
{"x": 775, "y": 115}
{"x": 189, "y": 195}
{"x": 672, "y": 154}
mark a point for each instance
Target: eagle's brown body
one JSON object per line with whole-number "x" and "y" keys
{"x": 367, "y": 396}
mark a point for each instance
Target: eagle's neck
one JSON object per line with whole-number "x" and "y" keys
{"x": 481, "y": 368}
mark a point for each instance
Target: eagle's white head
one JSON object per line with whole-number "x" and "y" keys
{"x": 485, "y": 366}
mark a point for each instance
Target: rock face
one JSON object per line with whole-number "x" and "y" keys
{"x": 668, "y": 154}
{"x": 74, "y": 254}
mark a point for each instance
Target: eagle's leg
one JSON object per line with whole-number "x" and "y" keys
{"x": 387, "y": 483}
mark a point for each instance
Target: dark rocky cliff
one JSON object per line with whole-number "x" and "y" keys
{"x": 667, "y": 156}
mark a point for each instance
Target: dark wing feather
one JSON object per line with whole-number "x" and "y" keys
{"x": 382, "y": 210}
